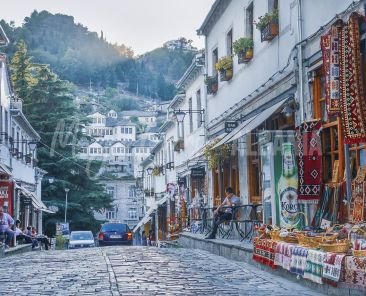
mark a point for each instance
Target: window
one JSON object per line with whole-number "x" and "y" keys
{"x": 122, "y": 130}
{"x": 229, "y": 43}
{"x": 190, "y": 115}
{"x": 110, "y": 191}
{"x": 331, "y": 136}
{"x": 99, "y": 150}
{"x": 199, "y": 106}
{"x": 110, "y": 215}
{"x": 132, "y": 213}
{"x": 272, "y": 5}
{"x": 91, "y": 150}
{"x": 249, "y": 21}
{"x": 130, "y": 130}
{"x": 84, "y": 150}
{"x": 215, "y": 58}
{"x": 131, "y": 192}
{"x": 145, "y": 150}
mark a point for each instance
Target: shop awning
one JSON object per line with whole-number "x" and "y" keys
{"x": 162, "y": 201}
{"x": 5, "y": 169}
{"x": 251, "y": 123}
{"x": 200, "y": 151}
{"x": 146, "y": 218}
{"x": 37, "y": 203}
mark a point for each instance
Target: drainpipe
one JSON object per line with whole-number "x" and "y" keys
{"x": 300, "y": 60}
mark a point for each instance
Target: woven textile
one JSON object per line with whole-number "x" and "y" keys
{"x": 330, "y": 51}
{"x": 357, "y": 206}
{"x": 332, "y": 268}
{"x": 298, "y": 260}
{"x": 355, "y": 271}
{"x": 264, "y": 251}
{"x": 353, "y": 104}
{"x": 283, "y": 255}
{"x": 309, "y": 161}
{"x": 314, "y": 266}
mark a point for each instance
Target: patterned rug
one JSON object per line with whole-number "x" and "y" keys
{"x": 298, "y": 260}
{"x": 354, "y": 272}
{"x": 309, "y": 161}
{"x": 264, "y": 251}
{"x": 353, "y": 104}
{"x": 357, "y": 206}
{"x": 330, "y": 51}
{"x": 314, "y": 266}
{"x": 332, "y": 268}
{"x": 283, "y": 255}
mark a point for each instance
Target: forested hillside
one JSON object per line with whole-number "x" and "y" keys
{"x": 81, "y": 56}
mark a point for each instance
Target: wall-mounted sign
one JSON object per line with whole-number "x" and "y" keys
{"x": 182, "y": 181}
{"x": 197, "y": 173}
{"x": 230, "y": 126}
{"x": 27, "y": 201}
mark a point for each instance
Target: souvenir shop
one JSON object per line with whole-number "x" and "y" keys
{"x": 319, "y": 233}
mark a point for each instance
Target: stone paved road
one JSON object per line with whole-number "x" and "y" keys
{"x": 137, "y": 271}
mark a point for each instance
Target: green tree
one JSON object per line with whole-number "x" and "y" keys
{"x": 22, "y": 77}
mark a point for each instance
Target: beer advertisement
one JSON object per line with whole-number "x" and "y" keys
{"x": 286, "y": 180}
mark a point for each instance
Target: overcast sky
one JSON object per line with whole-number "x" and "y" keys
{"x": 140, "y": 24}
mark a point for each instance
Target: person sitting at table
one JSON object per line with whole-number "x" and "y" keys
{"x": 227, "y": 214}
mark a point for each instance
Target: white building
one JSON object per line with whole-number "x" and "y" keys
{"x": 20, "y": 178}
{"x": 147, "y": 118}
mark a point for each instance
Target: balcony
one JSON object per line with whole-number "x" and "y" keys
{"x": 16, "y": 103}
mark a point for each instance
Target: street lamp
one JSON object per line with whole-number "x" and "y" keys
{"x": 180, "y": 116}
{"x": 66, "y": 191}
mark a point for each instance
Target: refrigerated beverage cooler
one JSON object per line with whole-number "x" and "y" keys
{"x": 279, "y": 178}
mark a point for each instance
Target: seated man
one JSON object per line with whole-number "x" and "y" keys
{"x": 226, "y": 215}
{"x": 6, "y": 223}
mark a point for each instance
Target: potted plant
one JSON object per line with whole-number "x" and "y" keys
{"x": 156, "y": 171}
{"x": 212, "y": 84}
{"x": 268, "y": 25}
{"x": 225, "y": 66}
{"x": 243, "y": 48}
{"x": 216, "y": 156}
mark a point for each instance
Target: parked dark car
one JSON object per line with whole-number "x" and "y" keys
{"x": 114, "y": 234}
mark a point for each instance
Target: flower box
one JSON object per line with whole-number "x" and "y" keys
{"x": 212, "y": 84}
{"x": 226, "y": 75}
{"x": 245, "y": 56}
{"x": 270, "y": 31}
{"x": 243, "y": 48}
{"x": 225, "y": 66}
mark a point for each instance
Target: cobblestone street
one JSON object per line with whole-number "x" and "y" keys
{"x": 137, "y": 271}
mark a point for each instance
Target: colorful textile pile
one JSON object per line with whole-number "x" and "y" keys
{"x": 353, "y": 104}
{"x": 332, "y": 268}
{"x": 330, "y": 50}
{"x": 355, "y": 271}
{"x": 298, "y": 260}
{"x": 314, "y": 266}
{"x": 309, "y": 161}
{"x": 358, "y": 206}
{"x": 264, "y": 251}
{"x": 283, "y": 255}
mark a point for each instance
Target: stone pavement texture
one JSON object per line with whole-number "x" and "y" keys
{"x": 137, "y": 271}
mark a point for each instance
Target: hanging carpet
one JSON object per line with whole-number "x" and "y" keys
{"x": 309, "y": 161}
{"x": 353, "y": 104}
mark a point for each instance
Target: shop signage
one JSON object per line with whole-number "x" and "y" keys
{"x": 197, "y": 173}
{"x": 181, "y": 181}
{"x": 230, "y": 126}
{"x": 27, "y": 201}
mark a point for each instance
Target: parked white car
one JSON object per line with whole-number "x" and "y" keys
{"x": 81, "y": 239}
